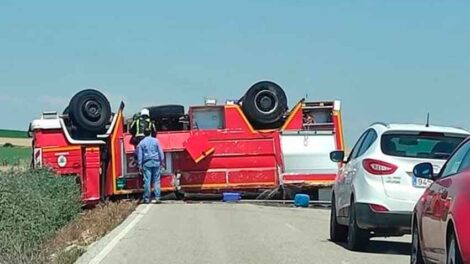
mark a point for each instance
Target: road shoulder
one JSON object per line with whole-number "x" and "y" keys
{"x": 99, "y": 250}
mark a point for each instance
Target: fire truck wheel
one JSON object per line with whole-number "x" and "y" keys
{"x": 90, "y": 111}
{"x": 166, "y": 111}
{"x": 264, "y": 104}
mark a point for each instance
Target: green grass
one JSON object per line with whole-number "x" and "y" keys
{"x": 14, "y": 156}
{"x": 33, "y": 206}
{"x": 5, "y": 133}
{"x": 42, "y": 221}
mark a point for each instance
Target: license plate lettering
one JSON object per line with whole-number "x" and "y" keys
{"x": 421, "y": 183}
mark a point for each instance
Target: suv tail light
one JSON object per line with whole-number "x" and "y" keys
{"x": 377, "y": 167}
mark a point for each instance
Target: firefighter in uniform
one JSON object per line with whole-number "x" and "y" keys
{"x": 140, "y": 125}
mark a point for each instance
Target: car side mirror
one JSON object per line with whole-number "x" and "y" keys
{"x": 424, "y": 170}
{"x": 337, "y": 156}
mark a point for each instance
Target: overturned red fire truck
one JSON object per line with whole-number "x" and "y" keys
{"x": 255, "y": 146}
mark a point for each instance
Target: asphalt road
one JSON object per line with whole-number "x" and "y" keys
{"x": 235, "y": 233}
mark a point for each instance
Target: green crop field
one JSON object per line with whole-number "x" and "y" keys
{"x": 14, "y": 156}
{"x": 5, "y": 133}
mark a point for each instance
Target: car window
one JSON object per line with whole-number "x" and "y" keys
{"x": 455, "y": 162}
{"x": 421, "y": 145}
{"x": 358, "y": 145}
{"x": 208, "y": 118}
{"x": 465, "y": 162}
{"x": 368, "y": 141}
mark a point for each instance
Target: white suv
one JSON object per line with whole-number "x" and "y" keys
{"x": 375, "y": 190}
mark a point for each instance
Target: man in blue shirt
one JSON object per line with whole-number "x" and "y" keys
{"x": 150, "y": 157}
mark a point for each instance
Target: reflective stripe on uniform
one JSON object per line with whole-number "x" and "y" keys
{"x": 139, "y": 131}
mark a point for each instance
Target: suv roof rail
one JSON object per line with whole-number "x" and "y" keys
{"x": 463, "y": 129}
{"x": 380, "y": 123}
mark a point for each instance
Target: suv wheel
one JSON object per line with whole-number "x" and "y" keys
{"x": 357, "y": 238}
{"x": 338, "y": 233}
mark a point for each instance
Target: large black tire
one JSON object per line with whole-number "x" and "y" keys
{"x": 167, "y": 117}
{"x": 338, "y": 233}
{"x": 166, "y": 111}
{"x": 66, "y": 110}
{"x": 67, "y": 121}
{"x": 453, "y": 251}
{"x": 357, "y": 238}
{"x": 416, "y": 253}
{"x": 90, "y": 111}
{"x": 265, "y": 104}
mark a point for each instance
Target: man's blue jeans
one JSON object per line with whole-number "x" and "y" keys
{"x": 151, "y": 175}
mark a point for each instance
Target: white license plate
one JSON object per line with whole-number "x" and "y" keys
{"x": 421, "y": 183}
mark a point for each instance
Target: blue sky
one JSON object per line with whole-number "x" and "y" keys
{"x": 390, "y": 61}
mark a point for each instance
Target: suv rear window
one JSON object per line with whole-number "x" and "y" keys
{"x": 424, "y": 145}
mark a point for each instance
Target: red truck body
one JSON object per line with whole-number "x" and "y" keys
{"x": 205, "y": 158}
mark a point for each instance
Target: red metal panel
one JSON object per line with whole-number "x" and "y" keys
{"x": 166, "y": 183}
{"x": 136, "y": 184}
{"x": 295, "y": 119}
{"x": 309, "y": 177}
{"x": 128, "y": 147}
{"x": 198, "y": 147}
{"x": 248, "y": 158}
{"x": 170, "y": 141}
{"x": 131, "y": 165}
{"x": 219, "y": 135}
{"x": 199, "y": 178}
{"x": 115, "y": 170}
{"x": 50, "y": 138}
{"x": 243, "y": 161}
{"x": 237, "y": 179}
{"x": 235, "y": 119}
{"x": 244, "y": 157}
{"x": 253, "y": 177}
{"x": 173, "y": 141}
{"x": 91, "y": 177}
{"x": 70, "y": 160}
{"x": 184, "y": 163}
{"x": 338, "y": 130}
{"x": 296, "y": 123}
{"x": 244, "y": 147}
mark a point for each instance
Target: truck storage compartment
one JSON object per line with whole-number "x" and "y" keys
{"x": 90, "y": 179}
{"x": 308, "y": 152}
{"x": 318, "y": 116}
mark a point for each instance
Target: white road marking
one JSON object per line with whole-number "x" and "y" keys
{"x": 291, "y": 227}
{"x": 106, "y": 250}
